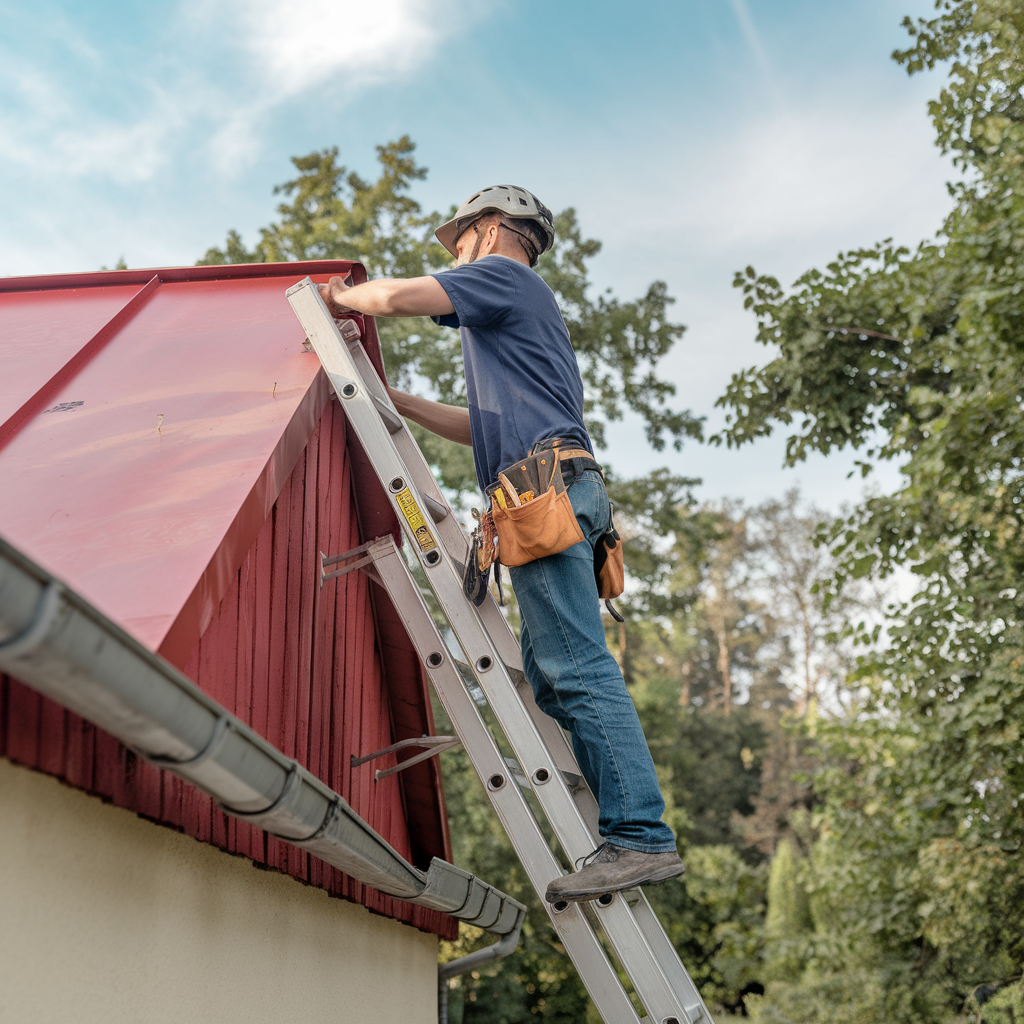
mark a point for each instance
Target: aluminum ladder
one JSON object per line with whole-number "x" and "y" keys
{"x": 491, "y": 655}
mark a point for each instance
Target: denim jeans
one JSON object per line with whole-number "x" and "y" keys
{"x": 578, "y": 683}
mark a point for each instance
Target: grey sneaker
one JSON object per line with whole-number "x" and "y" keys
{"x": 613, "y": 868}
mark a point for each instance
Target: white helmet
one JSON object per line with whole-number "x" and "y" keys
{"x": 510, "y": 200}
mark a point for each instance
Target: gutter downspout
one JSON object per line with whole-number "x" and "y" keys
{"x": 502, "y": 948}
{"x": 56, "y": 642}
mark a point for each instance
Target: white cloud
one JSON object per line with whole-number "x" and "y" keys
{"x": 212, "y": 83}
{"x": 820, "y": 170}
{"x": 50, "y": 132}
{"x": 297, "y": 47}
{"x": 785, "y": 188}
{"x": 753, "y": 40}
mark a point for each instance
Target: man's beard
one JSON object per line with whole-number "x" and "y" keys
{"x": 471, "y": 258}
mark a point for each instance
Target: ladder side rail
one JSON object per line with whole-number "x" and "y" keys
{"x": 621, "y": 928}
{"x": 668, "y": 957}
{"x": 409, "y": 452}
{"x": 509, "y": 803}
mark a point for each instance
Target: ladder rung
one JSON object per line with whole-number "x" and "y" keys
{"x": 391, "y": 419}
{"x": 572, "y": 780}
{"x": 435, "y": 508}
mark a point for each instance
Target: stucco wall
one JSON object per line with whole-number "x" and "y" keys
{"x": 107, "y": 917}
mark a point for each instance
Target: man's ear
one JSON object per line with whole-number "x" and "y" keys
{"x": 492, "y": 235}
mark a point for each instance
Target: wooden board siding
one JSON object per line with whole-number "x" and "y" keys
{"x": 302, "y": 666}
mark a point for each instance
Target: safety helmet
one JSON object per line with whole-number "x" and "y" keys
{"x": 507, "y": 199}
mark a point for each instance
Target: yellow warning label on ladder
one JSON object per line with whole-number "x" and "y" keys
{"x": 414, "y": 517}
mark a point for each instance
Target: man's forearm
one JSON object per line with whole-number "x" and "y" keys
{"x": 417, "y": 296}
{"x": 448, "y": 421}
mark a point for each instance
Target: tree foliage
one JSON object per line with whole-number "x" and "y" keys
{"x": 915, "y": 356}
{"x": 330, "y": 212}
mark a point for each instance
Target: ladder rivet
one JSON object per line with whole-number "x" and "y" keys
{"x": 397, "y": 484}
{"x": 541, "y": 775}
{"x": 606, "y": 900}
{"x": 484, "y": 663}
{"x": 559, "y": 906}
{"x": 434, "y": 659}
{"x": 432, "y": 557}
{"x": 496, "y": 781}
{"x": 348, "y": 390}
{"x": 670, "y": 1020}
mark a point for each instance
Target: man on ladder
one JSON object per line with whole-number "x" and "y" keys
{"x": 524, "y": 386}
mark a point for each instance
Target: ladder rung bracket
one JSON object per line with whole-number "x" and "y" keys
{"x": 391, "y": 418}
{"x": 442, "y": 742}
{"x": 383, "y": 773}
{"x": 435, "y": 508}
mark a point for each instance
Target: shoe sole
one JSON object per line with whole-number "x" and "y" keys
{"x": 588, "y": 895}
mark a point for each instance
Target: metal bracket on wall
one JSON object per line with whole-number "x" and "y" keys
{"x": 360, "y": 563}
{"x": 436, "y": 744}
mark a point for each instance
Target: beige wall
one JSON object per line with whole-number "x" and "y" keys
{"x": 107, "y": 917}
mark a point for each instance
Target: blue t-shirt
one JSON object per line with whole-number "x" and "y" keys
{"x": 522, "y": 379}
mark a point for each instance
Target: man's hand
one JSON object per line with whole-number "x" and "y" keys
{"x": 333, "y": 291}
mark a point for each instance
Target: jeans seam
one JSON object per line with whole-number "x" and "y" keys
{"x": 620, "y": 779}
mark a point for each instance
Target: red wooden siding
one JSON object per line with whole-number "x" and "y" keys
{"x": 303, "y": 667}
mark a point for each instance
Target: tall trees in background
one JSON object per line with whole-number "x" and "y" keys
{"x": 333, "y": 213}
{"x": 846, "y": 777}
{"x": 917, "y": 356}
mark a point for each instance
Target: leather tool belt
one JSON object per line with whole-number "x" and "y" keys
{"x": 530, "y": 507}
{"x": 531, "y": 517}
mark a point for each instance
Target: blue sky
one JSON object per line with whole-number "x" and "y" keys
{"x": 693, "y": 137}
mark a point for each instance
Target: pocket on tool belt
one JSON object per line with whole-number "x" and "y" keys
{"x": 609, "y": 570}
{"x": 544, "y": 526}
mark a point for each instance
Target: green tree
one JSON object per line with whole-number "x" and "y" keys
{"x": 788, "y": 921}
{"x": 333, "y": 213}
{"x": 915, "y": 356}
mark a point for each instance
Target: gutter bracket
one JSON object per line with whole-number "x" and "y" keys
{"x": 290, "y": 788}
{"x": 42, "y": 619}
{"x": 212, "y": 748}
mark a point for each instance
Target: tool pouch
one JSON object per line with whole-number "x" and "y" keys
{"x": 482, "y": 555}
{"x": 541, "y": 526}
{"x": 608, "y": 568}
{"x": 474, "y": 581}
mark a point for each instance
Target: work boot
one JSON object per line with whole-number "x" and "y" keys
{"x": 612, "y": 868}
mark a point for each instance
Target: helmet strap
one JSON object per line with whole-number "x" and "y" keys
{"x": 479, "y": 242}
{"x": 531, "y": 246}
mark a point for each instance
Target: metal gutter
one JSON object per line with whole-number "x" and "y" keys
{"x": 56, "y": 642}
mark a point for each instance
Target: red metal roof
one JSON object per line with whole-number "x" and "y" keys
{"x": 149, "y": 421}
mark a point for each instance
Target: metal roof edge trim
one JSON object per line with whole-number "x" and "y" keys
{"x": 34, "y": 403}
{"x": 204, "y": 600}
{"x": 219, "y": 271}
